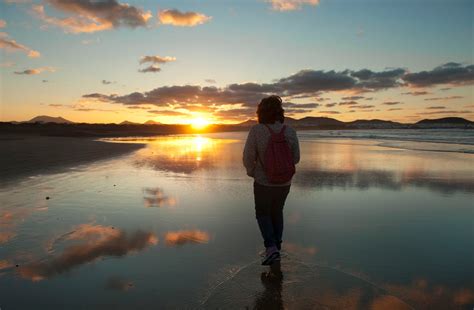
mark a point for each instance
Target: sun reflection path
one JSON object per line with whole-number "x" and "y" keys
{"x": 181, "y": 154}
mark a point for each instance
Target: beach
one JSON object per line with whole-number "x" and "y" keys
{"x": 169, "y": 222}
{"x": 28, "y": 155}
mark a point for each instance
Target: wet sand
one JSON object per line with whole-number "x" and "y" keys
{"x": 24, "y": 156}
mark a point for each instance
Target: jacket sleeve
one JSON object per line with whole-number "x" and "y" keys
{"x": 250, "y": 153}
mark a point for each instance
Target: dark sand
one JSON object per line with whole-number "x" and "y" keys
{"x": 23, "y": 156}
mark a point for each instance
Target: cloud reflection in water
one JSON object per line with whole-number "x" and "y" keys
{"x": 96, "y": 241}
{"x": 154, "y": 197}
{"x": 182, "y": 237}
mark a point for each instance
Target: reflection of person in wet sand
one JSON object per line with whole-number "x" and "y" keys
{"x": 272, "y": 281}
{"x": 270, "y": 154}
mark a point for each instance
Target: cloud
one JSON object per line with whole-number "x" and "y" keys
{"x": 239, "y": 96}
{"x": 88, "y": 16}
{"x": 11, "y": 45}
{"x": 138, "y": 107}
{"x": 330, "y": 112}
{"x": 55, "y": 105}
{"x": 182, "y": 237}
{"x": 352, "y": 98}
{"x": 154, "y": 197}
{"x": 98, "y": 97}
{"x": 182, "y": 19}
{"x": 370, "y": 80}
{"x": 210, "y": 81}
{"x": 156, "y": 59}
{"x": 167, "y": 112}
{"x": 448, "y": 112}
{"x": 395, "y": 109}
{"x": 330, "y": 105}
{"x": 297, "y": 111}
{"x": 236, "y": 114}
{"x": 152, "y": 68}
{"x": 35, "y": 71}
{"x": 290, "y": 5}
{"x": 3, "y": 23}
{"x": 436, "y": 108}
{"x": 444, "y": 98}
{"x": 450, "y": 73}
{"x": 363, "y": 107}
{"x": 95, "y": 241}
{"x": 348, "y": 103}
{"x": 416, "y": 93}
{"x": 105, "y": 82}
{"x": 301, "y": 105}
{"x": 392, "y": 102}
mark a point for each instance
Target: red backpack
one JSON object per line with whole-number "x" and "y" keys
{"x": 279, "y": 166}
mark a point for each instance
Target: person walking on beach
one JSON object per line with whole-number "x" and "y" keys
{"x": 270, "y": 155}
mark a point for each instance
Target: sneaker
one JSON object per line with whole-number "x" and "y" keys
{"x": 278, "y": 257}
{"x": 271, "y": 254}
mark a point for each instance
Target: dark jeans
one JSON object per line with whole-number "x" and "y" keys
{"x": 269, "y": 202}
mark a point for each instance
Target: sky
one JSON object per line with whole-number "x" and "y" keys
{"x": 106, "y": 61}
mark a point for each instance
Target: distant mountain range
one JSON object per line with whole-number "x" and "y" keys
{"x": 151, "y": 122}
{"x": 312, "y": 122}
{"x": 49, "y": 119}
{"x": 128, "y": 123}
{"x": 60, "y": 120}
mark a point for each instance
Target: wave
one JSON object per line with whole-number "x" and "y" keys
{"x": 444, "y": 140}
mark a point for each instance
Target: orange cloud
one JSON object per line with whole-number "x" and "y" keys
{"x": 11, "y": 45}
{"x": 35, "y": 71}
{"x": 183, "y": 19}
{"x": 186, "y": 236}
{"x": 291, "y": 5}
{"x": 71, "y": 24}
{"x": 91, "y": 16}
{"x": 3, "y": 23}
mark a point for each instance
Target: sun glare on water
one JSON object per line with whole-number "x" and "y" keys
{"x": 199, "y": 123}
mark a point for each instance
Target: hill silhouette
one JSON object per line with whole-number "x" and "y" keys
{"x": 49, "y": 119}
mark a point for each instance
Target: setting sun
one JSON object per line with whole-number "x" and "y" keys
{"x": 199, "y": 123}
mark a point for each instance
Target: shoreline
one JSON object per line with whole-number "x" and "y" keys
{"x": 23, "y": 156}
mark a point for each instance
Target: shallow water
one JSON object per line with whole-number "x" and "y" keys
{"x": 172, "y": 226}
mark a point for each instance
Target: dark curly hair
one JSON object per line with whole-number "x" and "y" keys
{"x": 270, "y": 110}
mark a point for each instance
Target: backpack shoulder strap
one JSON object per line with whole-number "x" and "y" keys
{"x": 271, "y": 131}
{"x": 282, "y": 129}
